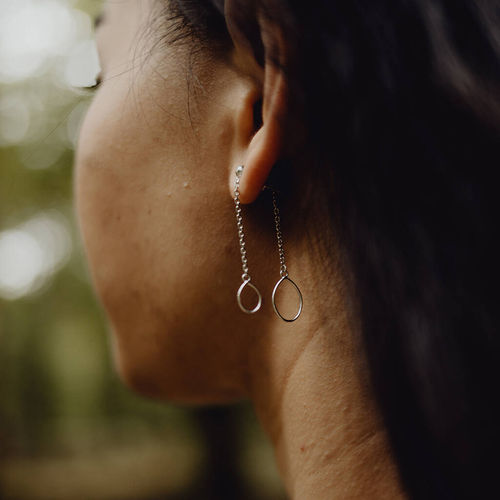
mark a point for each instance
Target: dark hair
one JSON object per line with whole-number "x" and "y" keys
{"x": 401, "y": 102}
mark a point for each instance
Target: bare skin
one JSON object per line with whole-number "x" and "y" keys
{"x": 154, "y": 183}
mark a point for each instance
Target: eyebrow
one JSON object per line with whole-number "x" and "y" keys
{"x": 98, "y": 20}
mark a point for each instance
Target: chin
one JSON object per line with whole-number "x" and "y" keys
{"x": 170, "y": 381}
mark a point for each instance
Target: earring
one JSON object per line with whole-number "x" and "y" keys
{"x": 244, "y": 262}
{"x": 283, "y": 269}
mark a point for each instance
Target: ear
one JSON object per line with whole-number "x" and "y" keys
{"x": 264, "y": 146}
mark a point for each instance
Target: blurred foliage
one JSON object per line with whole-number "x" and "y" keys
{"x": 68, "y": 429}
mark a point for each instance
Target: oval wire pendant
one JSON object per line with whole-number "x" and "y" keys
{"x": 301, "y": 301}
{"x": 240, "y": 303}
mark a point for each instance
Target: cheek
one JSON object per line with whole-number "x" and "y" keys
{"x": 159, "y": 238}
{"x": 125, "y": 206}
{"x": 99, "y": 191}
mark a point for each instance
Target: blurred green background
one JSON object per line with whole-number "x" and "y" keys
{"x": 68, "y": 429}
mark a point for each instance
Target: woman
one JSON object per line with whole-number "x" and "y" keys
{"x": 375, "y": 127}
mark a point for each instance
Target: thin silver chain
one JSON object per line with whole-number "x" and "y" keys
{"x": 277, "y": 221}
{"x": 239, "y": 222}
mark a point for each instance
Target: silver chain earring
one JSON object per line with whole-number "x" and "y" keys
{"x": 244, "y": 261}
{"x": 283, "y": 270}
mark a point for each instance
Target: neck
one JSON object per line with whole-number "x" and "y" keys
{"x": 312, "y": 401}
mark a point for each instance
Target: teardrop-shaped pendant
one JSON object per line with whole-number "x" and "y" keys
{"x": 240, "y": 303}
{"x": 301, "y": 301}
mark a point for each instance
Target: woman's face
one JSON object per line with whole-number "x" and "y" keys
{"x": 156, "y": 154}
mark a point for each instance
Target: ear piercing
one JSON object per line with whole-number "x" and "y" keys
{"x": 246, "y": 280}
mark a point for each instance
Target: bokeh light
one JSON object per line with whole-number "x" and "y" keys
{"x": 47, "y": 53}
{"x": 32, "y": 253}
{"x": 34, "y": 32}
